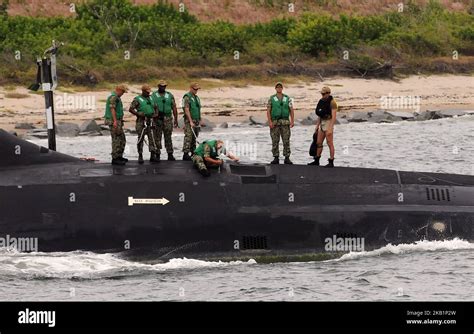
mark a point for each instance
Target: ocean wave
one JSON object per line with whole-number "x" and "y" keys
{"x": 418, "y": 246}
{"x": 89, "y": 265}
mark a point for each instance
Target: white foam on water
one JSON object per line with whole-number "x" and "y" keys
{"x": 418, "y": 246}
{"x": 90, "y": 265}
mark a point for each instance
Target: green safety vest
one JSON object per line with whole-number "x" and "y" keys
{"x": 118, "y": 107}
{"x": 280, "y": 108}
{"x": 200, "y": 149}
{"x": 146, "y": 105}
{"x": 194, "y": 106}
{"x": 164, "y": 103}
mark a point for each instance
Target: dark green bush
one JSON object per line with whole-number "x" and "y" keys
{"x": 160, "y": 36}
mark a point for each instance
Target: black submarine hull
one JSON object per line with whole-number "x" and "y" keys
{"x": 169, "y": 210}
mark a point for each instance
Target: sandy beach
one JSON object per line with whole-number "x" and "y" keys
{"x": 236, "y": 104}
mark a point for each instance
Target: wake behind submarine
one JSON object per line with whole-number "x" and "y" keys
{"x": 241, "y": 211}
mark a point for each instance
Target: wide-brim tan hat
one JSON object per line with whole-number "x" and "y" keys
{"x": 325, "y": 90}
{"x": 146, "y": 88}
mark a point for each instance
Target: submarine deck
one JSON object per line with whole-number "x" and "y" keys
{"x": 183, "y": 171}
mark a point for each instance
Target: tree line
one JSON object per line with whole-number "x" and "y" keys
{"x": 107, "y": 39}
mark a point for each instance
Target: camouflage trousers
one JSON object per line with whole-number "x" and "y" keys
{"x": 165, "y": 129}
{"x": 118, "y": 138}
{"x": 189, "y": 144}
{"x": 281, "y": 128}
{"x": 198, "y": 162}
{"x": 146, "y": 128}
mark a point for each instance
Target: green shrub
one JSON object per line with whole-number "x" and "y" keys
{"x": 160, "y": 37}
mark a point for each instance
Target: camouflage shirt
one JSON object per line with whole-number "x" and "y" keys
{"x": 208, "y": 149}
{"x": 135, "y": 105}
{"x": 113, "y": 101}
{"x": 186, "y": 102}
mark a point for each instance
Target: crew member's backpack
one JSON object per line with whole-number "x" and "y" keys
{"x": 313, "y": 148}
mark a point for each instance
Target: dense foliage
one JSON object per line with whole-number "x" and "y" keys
{"x": 158, "y": 36}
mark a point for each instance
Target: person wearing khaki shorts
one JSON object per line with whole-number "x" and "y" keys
{"x": 325, "y": 124}
{"x": 326, "y": 110}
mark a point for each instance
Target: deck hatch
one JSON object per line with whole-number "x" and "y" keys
{"x": 438, "y": 194}
{"x": 248, "y": 170}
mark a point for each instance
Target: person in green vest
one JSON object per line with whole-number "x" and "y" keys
{"x": 192, "y": 120}
{"x": 207, "y": 155}
{"x": 114, "y": 119}
{"x": 168, "y": 117}
{"x": 146, "y": 111}
{"x": 281, "y": 117}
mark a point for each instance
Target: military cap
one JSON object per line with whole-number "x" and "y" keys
{"x": 122, "y": 87}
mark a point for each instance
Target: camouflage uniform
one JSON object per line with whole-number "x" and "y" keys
{"x": 165, "y": 124}
{"x": 198, "y": 161}
{"x": 165, "y": 129}
{"x": 189, "y": 144}
{"x": 149, "y": 130}
{"x": 118, "y": 135}
{"x": 281, "y": 128}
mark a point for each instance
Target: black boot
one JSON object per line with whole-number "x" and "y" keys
{"x": 204, "y": 172}
{"x": 315, "y": 162}
{"x": 123, "y": 159}
{"x": 186, "y": 157}
{"x": 275, "y": 161}
{"x": 288, "y": 161}
{"x": 153, "y": 157}
{"x": 330, "y": 164}
{"x": 171, "y": 157}
{"x": 140, "y": 158}
{"x": 118, "y": 162}
{"x": 157, "y": 157}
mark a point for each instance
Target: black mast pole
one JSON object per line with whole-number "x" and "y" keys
{"x": 49, "y": 102}
{"x": 49, "y": 82}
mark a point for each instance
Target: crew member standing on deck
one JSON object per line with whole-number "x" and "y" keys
{"x": 147, "y": 115}
{"x": 326, "y": 110}
{"x": 114, "y": 119}
{"x": 281, "y": 117}
{"x": 168, "y": 117}
{"x": 192, "y": 120}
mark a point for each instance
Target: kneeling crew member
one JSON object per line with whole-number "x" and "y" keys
{"x": 207, "y": 155}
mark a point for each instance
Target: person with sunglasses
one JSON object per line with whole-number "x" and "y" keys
{"x": 326, "y": 110}
{"x": 168, "y": 117}
{"x": 146, "y": 111}
{"x": 281, "y": 117}
{"x": 192, "y": 120}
